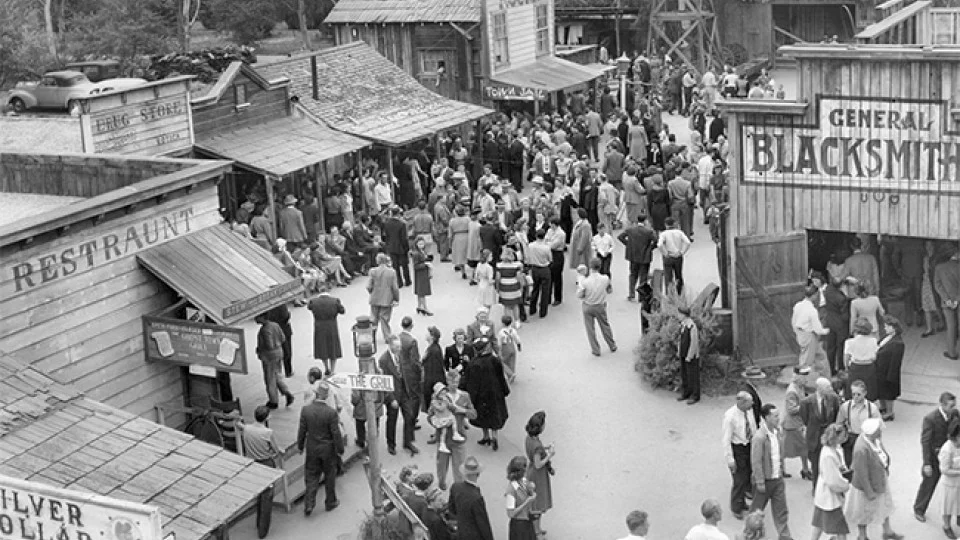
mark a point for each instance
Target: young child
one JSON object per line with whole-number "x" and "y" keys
{"x": 509, "y": 346}
{"x": 486, "y": 292}
{"x": 582, "y": 273}
{"x": 441, "y": 417}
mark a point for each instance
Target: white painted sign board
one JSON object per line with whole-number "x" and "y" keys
{"x": 362, "y": 381}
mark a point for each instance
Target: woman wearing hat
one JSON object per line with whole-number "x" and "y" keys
{"x": 487, "y": 386}
{"x": 459, "y": 227}
{"x": 658, "y": 202}
{"x": 949, "y": 458}
{"x": 889, "y": 361}
{"x": 870, "y": 501}
{"x": 860, "y": 356}
{"x": 795, "y": 441}
{"x": 831, "y": 486}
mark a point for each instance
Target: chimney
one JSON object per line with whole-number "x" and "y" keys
{"x": 313, "y": 77}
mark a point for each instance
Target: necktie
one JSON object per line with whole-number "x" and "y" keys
{"x": 747, "y": 428}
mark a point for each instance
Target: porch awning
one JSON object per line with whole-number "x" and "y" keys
{"x": 226, "y": 276}
{"x": 281, "y": 146}
{"x": 550, "y": 74}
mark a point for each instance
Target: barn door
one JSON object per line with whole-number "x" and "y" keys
{"x": 771, "y": 274}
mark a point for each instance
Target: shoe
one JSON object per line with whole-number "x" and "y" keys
{"x": 787, "y": 475}
{"x": 555, "y": 304}
{"x": 307, "y": 511}
{"x": 417, "y": 427}
{"x": 806, "y": 475}
{"x": 332, "y": 505}
{"x": 889, "y": 417}
{"x": 950, "y": 356}
{"x": 483, "y": 442}
{"x": 473, "y": 283}
{"x": 595, "y": 353}
{"x": 361, "y": 444}
{"x": 693, "y": 401}
{"x": 392, "y": 450}
{"x": 920, "y": 517}
{"x": 893, "y": 536}
{"x": 289, "y": 399}
{"x": 328, "y": 372}
{"x": 409, "y": 447}
{"x": 949, "y": 532}
{"x": 428, "y": 313}
{"x": 683, "y": 397}
{"x": 613, "y": 349}
{"x": 927, "y": 333}
{"x": 495, "y": 445}
{"x": 274, "y": 406}
{"x": 419, "y": 311}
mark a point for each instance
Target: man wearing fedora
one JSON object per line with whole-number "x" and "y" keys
{"x": 467, "y": 504}
{"x": 291, "y": 225}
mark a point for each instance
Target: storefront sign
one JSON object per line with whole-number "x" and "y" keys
{"x": 509, "y": 92}
{"x": 363, "y": 381}
{"x": 262, "y": 298}
{"x": 34, "y": 511}
{"x": 859, "y": 143}
{"x": 505, "y": 4}
{"x": 194, "y": 344}
{"x": 153, "y": 119}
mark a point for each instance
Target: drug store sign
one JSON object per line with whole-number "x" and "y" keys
{"x": 857, "y": 144}
{"x": 34, "y": 511}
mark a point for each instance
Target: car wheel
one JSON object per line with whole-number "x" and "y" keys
{"x": 18, "y": 105}
{"x": 73, "y": 107}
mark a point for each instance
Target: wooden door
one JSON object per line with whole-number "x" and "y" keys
{"x": 771, "y": 274}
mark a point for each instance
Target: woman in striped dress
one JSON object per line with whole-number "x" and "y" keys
{"x": 509, "y": 285}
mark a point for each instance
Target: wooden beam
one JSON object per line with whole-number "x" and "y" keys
{"x": 464, "y": 32}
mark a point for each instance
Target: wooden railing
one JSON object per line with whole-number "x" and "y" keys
{"x": 907, "y": 26}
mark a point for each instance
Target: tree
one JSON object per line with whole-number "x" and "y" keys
{"x": 24, "y": 50}
{"x": 248, "y": 21}
{"x": 315, "y": 10}
{"x": 121, "y": 29}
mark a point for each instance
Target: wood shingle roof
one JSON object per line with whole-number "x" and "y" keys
{"x": 404, "y": 11}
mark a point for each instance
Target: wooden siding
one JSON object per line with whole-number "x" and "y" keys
{"x": 521, "y": 32}
{"x": 393, "y": 41}
{"x": 748, "y": 24}
{"x": 899, "y": 200}
{"x": 265, "y": 105}
{"x": 80, "y": 322}
{"x": 76, "y": 175}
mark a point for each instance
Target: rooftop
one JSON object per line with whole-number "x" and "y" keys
{"x": 36, "y": 134}
{"x": 362, "y": 93}
{"x": 404, "y": 11}
{"x": 16, "y": 206}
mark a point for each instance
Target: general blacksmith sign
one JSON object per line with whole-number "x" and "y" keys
{"x": 34, "y": 511}
{"x": 859, "y": 143}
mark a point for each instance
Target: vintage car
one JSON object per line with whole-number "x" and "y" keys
{"x": 96, "y": 70}
{"x": 110, "y": 85}
{"x": 56, "y": 90}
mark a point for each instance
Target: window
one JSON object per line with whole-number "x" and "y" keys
{"x": 431, "y": 61}
{"x": 501, "y": 54}
{"x": 543, "y": 29}
{"x": 240, "y": 94}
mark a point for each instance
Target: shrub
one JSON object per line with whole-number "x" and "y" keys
{"x": 382, "y": 528}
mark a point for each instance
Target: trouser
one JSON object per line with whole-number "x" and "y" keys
{"x": 287, "y": 348}
{"x": 673, "y": 271}
{"x": 814, "y": 456}
{"x": 687, "y": 98}
{"x": 683, "y": 213}
{"x": 361, "y": 426}
{"x": 690, "y": 378}
{"x": 911, "y": 299}
{"x": 704, "y": 202}
{"x": 633, "y": 210}
{"x": 456, "y": 455}
{"x": 741, "y": 477}
{"x": 597, "y": 313}
{"x": 594, "y": 146}
{"x": 607, "y": 220}
{"x": 272, "y": 377}
{"x": 382, "y": 315}
{"x": 709, "y": 97}
{"x": 927, "y": 486}
{"x": 833, "y": 343}
{"x": 408, "y": 409}
{"x": 811, "y": 353}
{"x": 265, "y": 504}
{"x": 774, "y": 492}
{"x": 605, "y": 261}
{"x": 848, "y": 449}
{"x": 443, "y": 244}
{"x": 950, "y": 316}
{"x": 315, "y": 467}
{"x": 556, "y": 276}
{"x": 401, "y": 264}
{"x": 639, "y": 273}
{"x": 541, "y": 290}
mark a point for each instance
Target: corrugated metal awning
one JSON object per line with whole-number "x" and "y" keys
{"x": 281, "y": 146}
{"x": 550, "y": 74}
{"x": 226, "y": 276}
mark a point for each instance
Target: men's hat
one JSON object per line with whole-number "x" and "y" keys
{"x": 870, "y": 426}
{"x": 471, "y": 466}
{"x": 481, "y": 341}
{"x": 801, "y": 370}
{"x": 482, "y": 309}
{"x": 289, "y": 199}
{"x": 248, "y": 206}
{"x": 753, "y": 372}
{"x": 537, "y": 179}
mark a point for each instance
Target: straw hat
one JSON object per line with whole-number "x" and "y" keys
{"x": 471, "y": 467}
{"x": 289, "y": 199}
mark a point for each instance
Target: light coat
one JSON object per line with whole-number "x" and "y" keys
{"x": 383, "y": 287}
{"x": 831, "y": 485}
{"x": 760, "y": 457}
{"x": 580, "y": 248}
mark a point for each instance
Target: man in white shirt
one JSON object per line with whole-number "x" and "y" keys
{"x": 603, "y": 247}
{"x": 738, "y": 428}
{"x": 709, "y": 81}
{"x": 383, "y": 192}
{"x": 673, "y": 245}
{"x": 638, "y": 524}
{"x": 806, "y": 324}
{"x": 766, "y": 458}
{"x": 711, "y": 512}
{"x": 593, "y": 291}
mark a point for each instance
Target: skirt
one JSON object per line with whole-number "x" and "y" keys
{"x": 522, "y": 529}
{"x": 794, "y": 443}
{"x": 951, "y": 496}
{"x": 862, "y": 511}
{"x": 927, "y": 300}
{"x": 830, "y": 521}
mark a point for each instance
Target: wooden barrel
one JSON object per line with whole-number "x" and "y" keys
{"x": 723, "y": 343}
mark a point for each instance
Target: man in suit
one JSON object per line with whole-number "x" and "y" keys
{"x": 397, "y": 245}
{"x": 384, "y": 293}
{"x": 594, "y": 124}
{"x": 319, "y": 436}
{"x": 936, "y": 426}
{"x": 818, "y": 411}
{"x": 862, "y": 266}
{"x": 946, "y": 281}
{"x": 835, "y": 311}
{"x": 405, "y": 397}
{"x": 633, "y": 193}
{"x": 491, "y": 237}
{"x": 410, "y": 356}
{"x": 365, "y": 241}
{"x": 515, "y": 159}
{"x": 467, "y": 504}
{"x": 766, "y": 462}
{"x": 640, "y": 241}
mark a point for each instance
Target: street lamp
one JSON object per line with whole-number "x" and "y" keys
{"x": 365, "y": 347}
{"x": 623, "y": 64}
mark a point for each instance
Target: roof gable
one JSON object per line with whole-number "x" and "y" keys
{"x": 230, "y": 75}
{"x": 404, "y": 11}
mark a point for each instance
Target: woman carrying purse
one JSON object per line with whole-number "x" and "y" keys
{"x": 832, "y": 485}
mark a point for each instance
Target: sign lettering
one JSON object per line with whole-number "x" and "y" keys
{"x": 363, "y": 381}
{"x": 859, "y": 143}
{"x": 88, "y": 253}
{"x": 508, "y": 92}
{"x": 194, "y": 344}
{"x": 34, "y": 511}
{"x": 276, "y": 292}
{"x": 504, "y": 4}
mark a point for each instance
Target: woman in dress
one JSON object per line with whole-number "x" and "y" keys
{"x": 520, "y": 496}
{"x": 488, "y": 389}
{"x": 637, "y": 140}
{"x": 486, "y": 292}
{"x": 889, "y": 360}
{"x": 860, "y": 356}
{"x": 458, "y": 355}
{"x": 540, "y": 468}
{"x": 326, "y": 335}
{"x": 658, "y": 203}
{"x": 929, "y": 300}
{"x": 949, "y": 458}
{"x": 831, "y": 487}
{"x": 421, "y": 275}
{"x": 433, "y": 369}
{"x": 331, "y": 265}
{"x": 795, "y": 442}
{"x": 870, "y": 501}
{"x": 509, "y": 283}
{"x": 474, "y": 245}
{"x": 459, "y": 226}
{"x": 868, "y": 306}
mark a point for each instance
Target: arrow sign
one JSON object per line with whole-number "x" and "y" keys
{"x": 362, "y": 381}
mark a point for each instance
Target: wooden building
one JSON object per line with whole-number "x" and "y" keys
{"x": 436, "y": 42}
{"x": 597, "y": 22}
{"x": 82, "y": 242}
{"x": 870, "y": 147}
